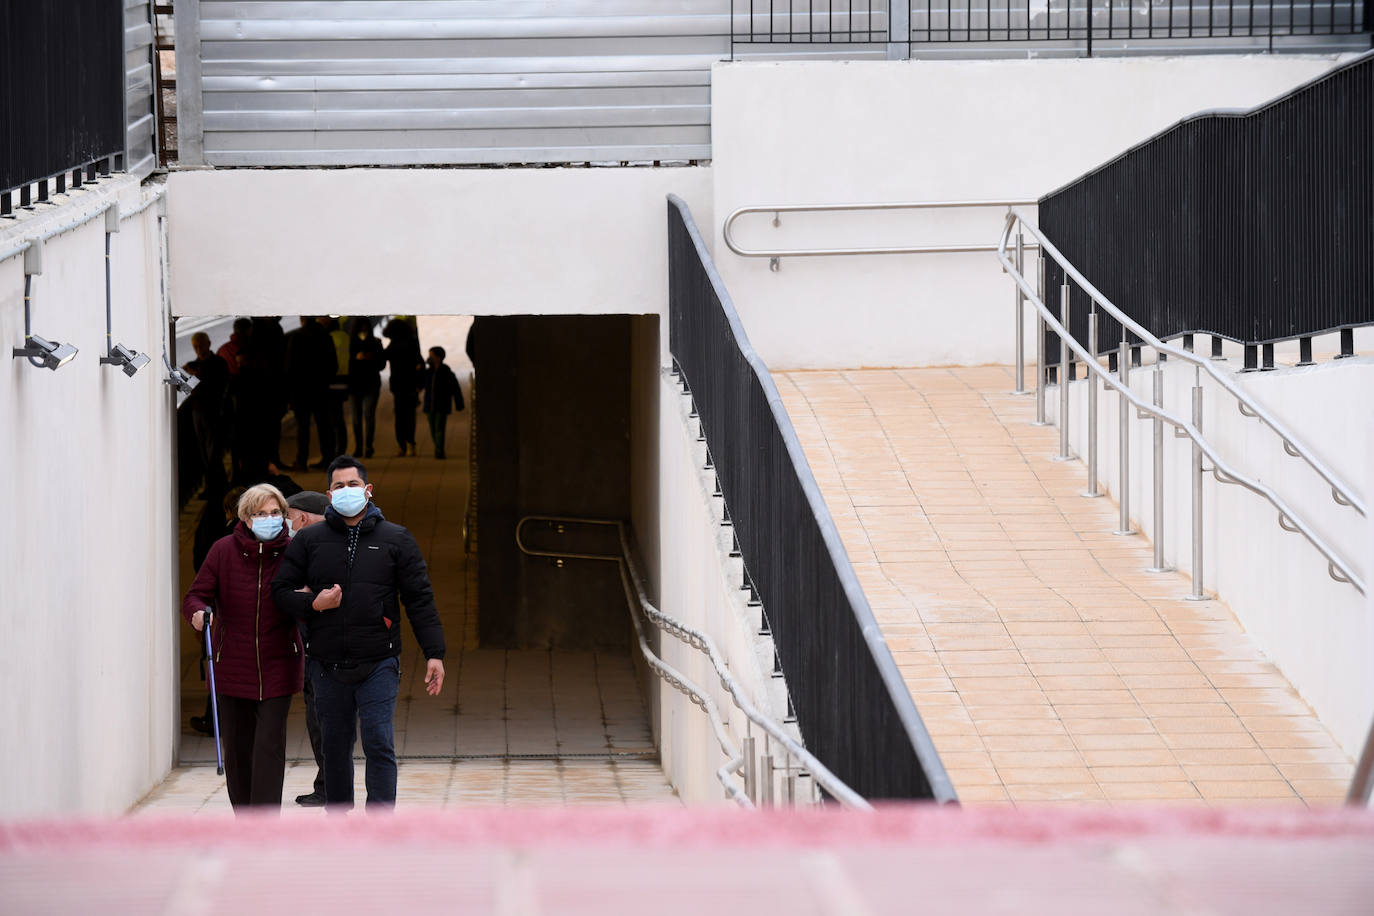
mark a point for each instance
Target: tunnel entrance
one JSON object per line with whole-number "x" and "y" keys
{"x": 542, "y": 701}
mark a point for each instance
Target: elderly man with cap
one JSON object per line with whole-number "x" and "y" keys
{"x": 304, "y": 509}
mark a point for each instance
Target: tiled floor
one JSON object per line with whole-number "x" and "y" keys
{"x": 532, "y": 727}
{"x": 1046, "y": 663}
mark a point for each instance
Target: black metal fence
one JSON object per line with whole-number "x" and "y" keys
{"x": 853, "y": 708}
{"x": 1256, "y": 227}
{"x": 61, "y": 88}
{"x": 1036, "y": 22}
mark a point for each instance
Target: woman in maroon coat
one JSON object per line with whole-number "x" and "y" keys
{"x": 259, "y": 660}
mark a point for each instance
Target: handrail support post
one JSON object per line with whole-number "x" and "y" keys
{"x": 1197, "y": 594}
{"x": 1093, "y": 490}
{"x": 1123, "y": 363}
{"x": 1158, "y": 533}
{"x": 1041, "y": 370}
{"x": 1064, "y": 454}
{"x": 1020, "y": 363}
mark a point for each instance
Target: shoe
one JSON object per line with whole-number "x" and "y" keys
{"x": 202, "y": 725}
{"x": 440, "y": 456}
{"x": 402, "y": 452}
{"x": 367, "y": 453}
{"x": 310, "y": 800}
{"x": 413, "y": 453}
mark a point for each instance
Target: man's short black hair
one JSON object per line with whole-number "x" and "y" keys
{"x": 440, "y": 351}
{"x": 341, "y": 462}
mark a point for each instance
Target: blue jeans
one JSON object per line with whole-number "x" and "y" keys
{"x": 339, "y": 708}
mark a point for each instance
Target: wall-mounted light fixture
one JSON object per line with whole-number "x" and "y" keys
{"x": 179, "y": 378}
{"x": 116, "y": 354}
{"x": 43, "y": 353}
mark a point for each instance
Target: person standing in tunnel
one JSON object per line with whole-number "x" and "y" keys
{"x": 310, "y": 367}
{"x": 365, "y": 361}
{"x": 207, "y": 405}
{"x": 407, "y": 378}
{"x": 346, "y": 579}
{"x": 441, "y": 390}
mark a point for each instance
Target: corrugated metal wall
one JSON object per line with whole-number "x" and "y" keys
{"x": 397, "y": 82}
{"x": 140, "y": 124}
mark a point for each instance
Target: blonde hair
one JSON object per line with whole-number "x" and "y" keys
{"x": 253, "y": 499}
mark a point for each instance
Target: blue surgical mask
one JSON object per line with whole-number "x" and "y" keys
{"x": 349, "y": 501}
{"x": 267, "y": 528}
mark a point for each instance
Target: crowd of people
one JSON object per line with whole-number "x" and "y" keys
{"x": 302, "y": 590}
{"x": 262, "y": 372}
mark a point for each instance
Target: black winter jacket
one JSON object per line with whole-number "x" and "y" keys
{"x": 366, "y": 626}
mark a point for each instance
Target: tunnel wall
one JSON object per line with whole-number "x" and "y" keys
{"x": 88, "y": 629}
{"x": 553, "y": 421}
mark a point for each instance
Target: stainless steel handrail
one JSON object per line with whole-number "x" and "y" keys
{"x": 1339, "y": 569}
{"x": 773, "y": 255}
{"x": 634, "y": 591}
{"x": 1342, "y": 493}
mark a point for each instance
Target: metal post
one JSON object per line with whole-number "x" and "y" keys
{"x": 1159, "y": 473}
{"x": 1093, "y": 490}
{"x": 766, "y": 781}
{"x": 790, "y": 783}
{"x": 1041, "y": 371}
{"x": 750, "y": 775}
{"x": 1020, "y": 314}
{"x": 1197, "y": 594}
{"x": 1064, "y": 375}
{"x": 1123, "y": 363}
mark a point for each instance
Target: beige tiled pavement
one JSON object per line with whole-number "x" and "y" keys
{"x": 1047, "y": 663}
{"x": 510, "y": 727}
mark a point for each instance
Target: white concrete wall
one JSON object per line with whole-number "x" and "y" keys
{"x": 425, "y": 241}
{"x": 878, "y": 131}
{"x": 1319, "y": 632}
{"x": 699, "y": 584}
{"x": 88, "y": 622}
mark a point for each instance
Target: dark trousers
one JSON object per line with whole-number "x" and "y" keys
{"x": 406, "y": 402}
{"x": 312, "y": 728}
{"x": 343, "y": 711}
{"x": 211, "y": 451}
{"x": 305, "y": 409}
{"x": 254, "y": 736}
{"x": 364, "y": 409}
{"x": 438, "y": 430}
{"x": 338, "y": 397}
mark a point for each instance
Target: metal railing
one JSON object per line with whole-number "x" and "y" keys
{"x": 775, "y": 255}
{"x": 1252, "y": 225}
{"x": 850, "y": 700}
{"x": 758, "y": 773}
{"x": 1340, "y": 569}
{"x": 908, "y": 29}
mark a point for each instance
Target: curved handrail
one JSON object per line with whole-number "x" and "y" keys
{"x": 1340, "y": 492}
{"x": 1339, "y": 569}
{"x": 702, "y": 642}
{"x": 830, "y": 208}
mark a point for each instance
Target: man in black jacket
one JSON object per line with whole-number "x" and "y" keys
{"x": 342, "y": 579}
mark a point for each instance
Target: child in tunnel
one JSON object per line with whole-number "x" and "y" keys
{"x": 441, "y": 390}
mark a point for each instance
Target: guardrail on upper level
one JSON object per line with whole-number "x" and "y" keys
{"x": 852, "y": 705}
{"x": 867, "y": 27}
{"x": 1254, "y": 226}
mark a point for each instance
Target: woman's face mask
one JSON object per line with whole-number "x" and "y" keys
{"x": 266, "y": 527}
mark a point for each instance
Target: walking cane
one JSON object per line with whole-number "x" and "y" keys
{"x": 214, "y": 700}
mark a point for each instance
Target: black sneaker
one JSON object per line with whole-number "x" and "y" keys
{"x": 311, "y": 800}
{"x": 203, "y": 725}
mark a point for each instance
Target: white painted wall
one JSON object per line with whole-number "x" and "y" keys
{"x": 1319, "y": 632}
{"x": 879, "y": 131}
{"x": 698, "y": 583}
{"x": 88, "y": 622}
{"x": 425, "y": 241}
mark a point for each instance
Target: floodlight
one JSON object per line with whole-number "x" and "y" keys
{"x": 129, "y": 360}
{"x": 179, "y": 379}
{"x": 47, "y": 354}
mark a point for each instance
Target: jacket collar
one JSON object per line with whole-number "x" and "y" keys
{"x": 371, "y": 517}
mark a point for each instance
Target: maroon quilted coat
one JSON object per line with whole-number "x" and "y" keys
{"x": 258, "y": 652}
